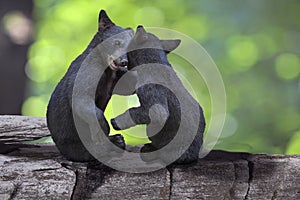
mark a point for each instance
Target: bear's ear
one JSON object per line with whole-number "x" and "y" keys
{"x": 104, "y": 22}
{"x": 170, "y": 45}
{"x": 140, "y": 34}
{"x": 131, "y": 31}
{"x": 140, "y": 29}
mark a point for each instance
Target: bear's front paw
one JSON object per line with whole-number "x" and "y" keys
{"x": 114, "y": 124}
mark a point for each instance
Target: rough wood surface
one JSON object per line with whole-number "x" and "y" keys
{"x": 40, "y": 172}
{"x": 19, "y": 128}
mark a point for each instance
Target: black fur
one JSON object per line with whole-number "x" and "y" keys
{"x": 60, "y": 112}
{"x": 148, "y": 49}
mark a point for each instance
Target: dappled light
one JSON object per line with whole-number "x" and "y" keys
{"x": 35, "y": 106}
{"x": 255, "y": 45}
{"x": 243, "y": 52}
{"x": 18, "y": 27}
{"x": 287, "y": 66}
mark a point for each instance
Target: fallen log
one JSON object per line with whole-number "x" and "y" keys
{"x": 38, "y": 171}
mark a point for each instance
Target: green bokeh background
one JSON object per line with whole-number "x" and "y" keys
{"x": 254, "y": 43}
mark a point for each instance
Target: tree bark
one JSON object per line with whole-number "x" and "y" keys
{"x": 40, "y": 172}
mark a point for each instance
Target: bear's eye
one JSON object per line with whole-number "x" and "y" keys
{"x": 117, "y": 42}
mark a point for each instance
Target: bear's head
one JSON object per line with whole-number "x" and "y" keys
{"x": 146, "y": 48}
{"x": 113, "y": 41}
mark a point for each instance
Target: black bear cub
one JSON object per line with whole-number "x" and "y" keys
{"x": 174, "y": 119}
{"x": 96, "y": 91}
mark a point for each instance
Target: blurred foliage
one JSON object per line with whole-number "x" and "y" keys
{"x": 254, "y": 43}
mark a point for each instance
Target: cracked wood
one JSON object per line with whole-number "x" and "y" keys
{"x": 39, "y": 171}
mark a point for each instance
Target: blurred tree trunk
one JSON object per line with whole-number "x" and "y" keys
{"x": 13, "y": 55}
